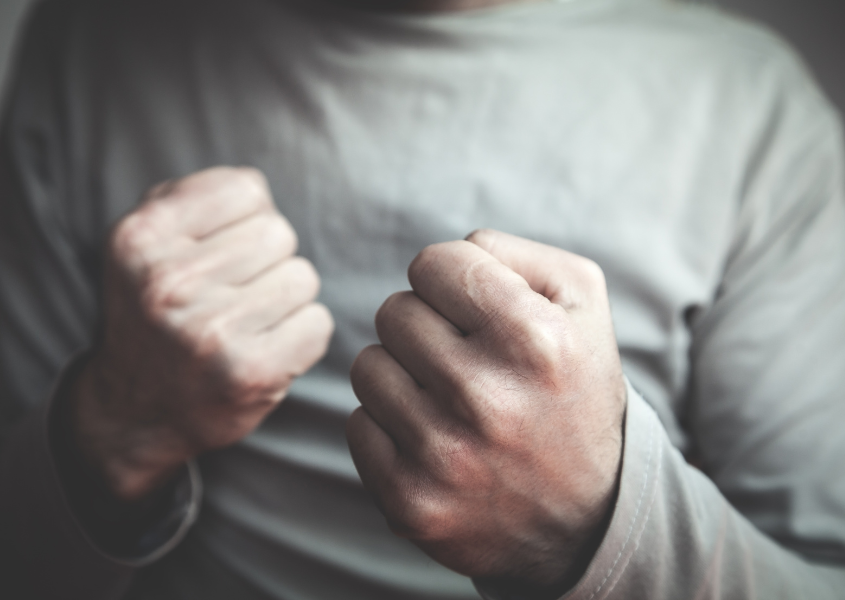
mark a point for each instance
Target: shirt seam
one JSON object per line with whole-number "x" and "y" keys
{"x": 636, "y": 512}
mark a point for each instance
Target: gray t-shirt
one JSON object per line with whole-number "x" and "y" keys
{"x": 685, "y": 152}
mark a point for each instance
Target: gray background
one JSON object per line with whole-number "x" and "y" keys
{"x": 815, "y": 27}
{"x": 11, "y": 13}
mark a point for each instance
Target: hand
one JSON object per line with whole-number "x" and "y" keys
{"x": 490, "y": 432}
{"x": 208, "y": 319}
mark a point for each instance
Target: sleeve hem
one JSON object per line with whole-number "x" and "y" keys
{"x": 184, "y": 515}
{"x": 190, "y": 512}
{"x": 641, "y": 471}
{"x": 44, "y": 550}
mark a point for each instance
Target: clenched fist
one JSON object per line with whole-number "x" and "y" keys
{"x": 208, "y": 318}
{"x": 490, "y": 432}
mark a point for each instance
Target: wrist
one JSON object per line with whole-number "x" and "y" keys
{"x": 127, "y": 530}
{"x": 120, "y": 458}
{"x": 554, "y": 579}
{"x": 551, "y": 582}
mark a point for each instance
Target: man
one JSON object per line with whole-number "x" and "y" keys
{"x": 684, "y": 154}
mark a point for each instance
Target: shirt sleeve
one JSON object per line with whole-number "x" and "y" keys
{"x": 765, "y": 515}
{"x": 49, "y": 282}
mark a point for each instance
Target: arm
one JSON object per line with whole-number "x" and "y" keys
{"x": 766, "y": 413}
{"x": 766, "y": 397}
{"x": 48, "y": 310}
{"x": 207, "y": 319}
{"x": 203, "y": 318}
{"x": 490, "y": 431}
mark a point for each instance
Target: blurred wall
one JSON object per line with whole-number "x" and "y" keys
{"x": 11, "y": 13}
{"x": 815, "y": 27}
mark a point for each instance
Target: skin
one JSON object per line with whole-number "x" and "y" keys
{"x": 209, "y": 317}
{"x": 202, "y": 279}
{"x": 490, "y": 431}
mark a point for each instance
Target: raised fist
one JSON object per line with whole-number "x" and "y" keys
{"x": 490, "y": 432}
{"x": 209, "y": 316}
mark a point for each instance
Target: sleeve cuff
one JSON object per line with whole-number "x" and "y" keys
{"x": 167, "y": 532}
{"x": 638, "y": 487}
{"x": 43, "y": 543}
{"x": 161, "y": 526}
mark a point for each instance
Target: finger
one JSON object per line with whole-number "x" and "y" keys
{"x": 393, "y": 399}
{"x": 421, "y": 340}
{"x": 563, "y": 277}
{"x": 241, "y": 251}
{"x": 469, "y": 286}
{"x": 206, "y": 201}
{"x": 295, "y": 344}
{"x": 374, "y": 454}
{"x": 276, "y": 294}
{"x": 262, "y": 367}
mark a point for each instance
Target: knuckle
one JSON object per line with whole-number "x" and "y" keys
{"x": 245, "y": 183}
{"x": 323, "y": 321}
{"x": 514, "y": 321}
{"x": 177, "y": 188}
{"x": 429, "y": 254}
{"x": 498, "y": 421}
{"x": 167, "y": 286}
{"x": 133, "y": 236}
{"x": 391, "y": 310}
{"x": 253, "y": 377}
{"x": 429, "y": 259}
{"x": 455, "y": 459}
{"x": 465, "y": 386}
{"x": 305, "y": 276}
{"x": 591, "y": 273}
{"x": 252, "y": 183}
{"x": 123, "y": 235}
{"x": 420, "y": 516}
{"x": 210, "y": 339}
{"x": 355, "y": 429}
{"x": 361, "y": 375}
{"x": 543, "y": 349}
{"x": 494, "y": 407}
{"x": 482, "y": 237}
{"x": 161, "y": 190}
{"x": 277, "y": 235}
{"x": 310, "y": 343}
{"x": 252, "y": 176}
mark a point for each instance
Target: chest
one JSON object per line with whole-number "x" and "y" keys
{"x": 372, "y": 160}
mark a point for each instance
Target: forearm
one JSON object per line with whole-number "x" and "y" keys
{"x": 45, "y": 551}
{"x": 673, "y": 535}
{"x": 62, "y": 536}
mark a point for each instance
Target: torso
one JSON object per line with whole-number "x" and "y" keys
{"x": 381, "y": 135}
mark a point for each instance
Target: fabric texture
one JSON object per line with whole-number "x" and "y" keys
{"x": 687, "y": 153}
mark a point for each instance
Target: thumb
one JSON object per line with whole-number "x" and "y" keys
{"x": 564, "y": 278}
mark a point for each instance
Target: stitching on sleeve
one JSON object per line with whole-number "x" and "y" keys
{"x": 636, "y": 512}
{"x": 648, "y": 510}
